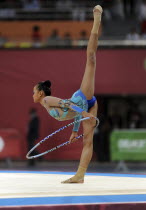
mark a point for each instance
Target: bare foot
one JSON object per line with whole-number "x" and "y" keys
{"x": 98, "y": 9}
{"x": 73, "y": 180}
{"x": 97, "y": 12}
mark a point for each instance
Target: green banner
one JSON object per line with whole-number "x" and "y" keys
{"x": 128, "y": 145}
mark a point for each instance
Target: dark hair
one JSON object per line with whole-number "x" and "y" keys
{"x": 45, "y": 86}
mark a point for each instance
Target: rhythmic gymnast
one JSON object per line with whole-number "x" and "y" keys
{"x": 81, "y": 104}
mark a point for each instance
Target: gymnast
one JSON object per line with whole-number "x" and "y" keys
{"x": 82, "y": 103}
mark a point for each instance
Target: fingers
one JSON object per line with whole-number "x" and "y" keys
{"x": 90, "y": 122}
{"x": 92, "y": 117}
{"x": 71, "y": 140}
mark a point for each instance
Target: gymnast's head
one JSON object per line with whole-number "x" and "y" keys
{"x": 41, "y": 90}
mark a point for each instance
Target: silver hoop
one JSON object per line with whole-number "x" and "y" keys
{"x": 61, "y": 145}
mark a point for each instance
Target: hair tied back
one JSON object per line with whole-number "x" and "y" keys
{"x": 47, "y": 83}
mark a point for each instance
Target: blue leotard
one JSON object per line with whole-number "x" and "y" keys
{"x": 79, "y": 99}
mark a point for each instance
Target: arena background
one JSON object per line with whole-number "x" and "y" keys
{"x": 119, "y": 72}
{"x": 47, "y": 40}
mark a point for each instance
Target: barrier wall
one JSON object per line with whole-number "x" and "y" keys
{"x": 118, "y": 72}
{"x": 18, "y": 30}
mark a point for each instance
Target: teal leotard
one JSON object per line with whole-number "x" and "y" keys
{"x": 79, "y": 99}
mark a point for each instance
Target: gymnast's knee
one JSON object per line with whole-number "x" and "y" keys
{"x": 87, "y": 142}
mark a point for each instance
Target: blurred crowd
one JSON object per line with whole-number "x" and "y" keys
{"x": 128, "y": 15}
{"x": 55, "y": 40}
{"x": 79, "y": 9}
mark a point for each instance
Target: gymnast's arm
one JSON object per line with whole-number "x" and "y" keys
{"x": 59, "y": 103}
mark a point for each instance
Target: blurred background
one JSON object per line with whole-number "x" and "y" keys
{"x": 47, "y": 39}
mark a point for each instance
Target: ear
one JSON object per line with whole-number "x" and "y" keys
{"x": 41, "y": 93}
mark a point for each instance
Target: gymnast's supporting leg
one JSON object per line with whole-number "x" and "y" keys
{"x": 87, "y": 87}
{"x": 88, "y": 130}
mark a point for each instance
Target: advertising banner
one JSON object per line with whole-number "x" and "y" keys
{"x": 128, "y": 145}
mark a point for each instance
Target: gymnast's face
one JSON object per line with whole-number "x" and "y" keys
{"x": 36, "y": 94}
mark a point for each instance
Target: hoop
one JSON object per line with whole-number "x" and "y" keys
{"x": 61, "y": 145}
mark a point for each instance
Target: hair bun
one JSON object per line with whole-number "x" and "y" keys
{"x": 47, "y": 83}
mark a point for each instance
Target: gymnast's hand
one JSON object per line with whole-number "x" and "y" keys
{"x": 87, "y": 114}
{"x": 73, "y": 137}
